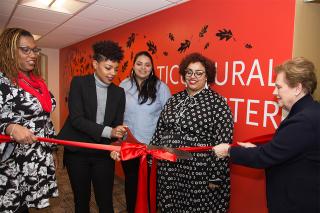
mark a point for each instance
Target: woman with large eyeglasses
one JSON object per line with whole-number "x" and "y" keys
{"x": 27, "y": 171}
{"x": 197, "y": 116}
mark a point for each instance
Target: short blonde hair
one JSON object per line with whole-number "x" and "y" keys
{"x": 299, "y": 70}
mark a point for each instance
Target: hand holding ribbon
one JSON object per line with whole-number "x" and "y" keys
{"x": 222, "y": 150}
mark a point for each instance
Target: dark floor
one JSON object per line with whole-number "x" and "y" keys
{"x": 64, "y": 203}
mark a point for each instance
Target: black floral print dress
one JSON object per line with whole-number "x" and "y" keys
{"x": 27, "y": 176}
{"x": 200, "y": 120}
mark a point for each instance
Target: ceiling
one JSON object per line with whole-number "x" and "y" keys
{"x": 59, "y": 30}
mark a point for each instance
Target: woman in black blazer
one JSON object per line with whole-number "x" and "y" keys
{"x": 292, "y": 158}
{"x": 96, "y": 108}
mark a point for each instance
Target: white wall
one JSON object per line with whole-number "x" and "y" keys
{"x": 306, "y": 41}
{"x": 53, "y": 82}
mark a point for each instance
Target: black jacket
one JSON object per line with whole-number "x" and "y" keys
{"x": 291, "y": 160}
{"x": 81, "y": 123}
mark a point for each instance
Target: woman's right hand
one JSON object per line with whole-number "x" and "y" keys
{"x": 20, "y": 134}
{"x": 246, "y": 144}
{"x": 115, "y": 155}
{"x": 119, "y": 131}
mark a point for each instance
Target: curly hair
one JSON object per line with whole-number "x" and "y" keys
{"x": 299, "y": 70}
{"x": 148, "y": 88}
{"x": 107, "y": 50}
{"x": 208, "y": 64}
{"x": 9, "y": 44}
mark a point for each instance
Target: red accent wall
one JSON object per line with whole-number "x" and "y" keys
{"x": 245, "y": 37}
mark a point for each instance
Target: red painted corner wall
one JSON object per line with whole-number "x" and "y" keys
{"x": 246, "y": 38}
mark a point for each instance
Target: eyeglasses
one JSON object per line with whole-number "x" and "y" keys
{"x": 196, "y": 73}
{"x": 27, "y": 50}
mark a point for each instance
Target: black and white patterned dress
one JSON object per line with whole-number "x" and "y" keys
{"x": 27, "y": 177}
{"x": 200, "y": 120}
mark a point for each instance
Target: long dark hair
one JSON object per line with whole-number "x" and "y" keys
{"x": 148, "y": 88}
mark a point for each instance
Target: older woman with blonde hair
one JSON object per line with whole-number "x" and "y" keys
{"x": 292, "y": 158}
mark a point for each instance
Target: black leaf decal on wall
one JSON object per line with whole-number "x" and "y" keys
{"x": 124, "y": 66}
{"x": 203, "y": 31}
{"x": 165, "y": 53}
{"x": 131, "y": 39}
{"x": 131, "y": 56}
{"x": 206, "y": 45}
{"x": 224, "y": 34}
{"x": 248, "y": 46}
{"x": 152, "y": 47}
{"x": 184, "y": 46}
{"x": 88, "y": 66}
{"x": 171, "y": 36}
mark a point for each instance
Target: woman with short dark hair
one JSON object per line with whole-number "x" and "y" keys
{"x": 96, "y": 108}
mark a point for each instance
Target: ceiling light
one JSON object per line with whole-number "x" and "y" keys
{"x": 61, "y": 6}
{"x": 36, "y": 37}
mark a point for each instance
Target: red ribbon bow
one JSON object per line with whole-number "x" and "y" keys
{"x": 131, "y": 150}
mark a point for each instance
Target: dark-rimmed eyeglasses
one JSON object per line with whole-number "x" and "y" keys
{"x": 196, "y": 73}
{"x": 27, "y": 50}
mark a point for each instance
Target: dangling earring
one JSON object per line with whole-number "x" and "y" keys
{"x": 206, "y": 86}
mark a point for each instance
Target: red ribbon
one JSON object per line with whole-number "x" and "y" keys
{"x": 130, "y": 149}
{"x": 6, "y": 138}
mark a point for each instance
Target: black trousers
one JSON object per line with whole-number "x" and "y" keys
{"x": 84, "y": 169}
{"x": 131, "y": 172}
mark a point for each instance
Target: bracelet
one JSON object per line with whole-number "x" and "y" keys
{"x": 11, "y": 133}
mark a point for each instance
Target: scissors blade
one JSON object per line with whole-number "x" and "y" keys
{"x": 179, "y": 153}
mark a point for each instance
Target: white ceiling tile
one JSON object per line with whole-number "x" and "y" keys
{"x": 104, "y": 13}
{"x": 175, "y": 1}
{"x": 7, "y": 6}
{"x": 3, "y": 21}
{"x": 59, "y": 41}
{"x": 138, "y": 6}
{"x": 32, "y": 25}
{"x": 60, "y": 30}
{"x": 91, "y": 24}
{"x": 40, "y": 14}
